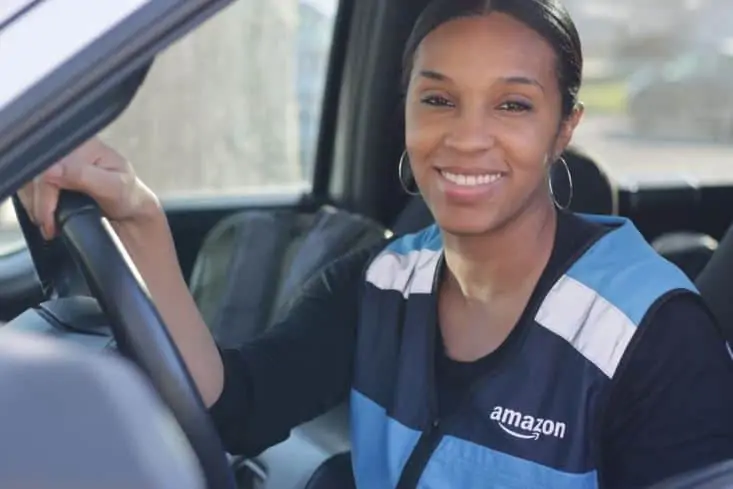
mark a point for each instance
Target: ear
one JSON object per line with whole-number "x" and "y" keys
{"x": 567, "y": 128}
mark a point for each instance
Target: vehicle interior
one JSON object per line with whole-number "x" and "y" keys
{"x": 270, "y": 170}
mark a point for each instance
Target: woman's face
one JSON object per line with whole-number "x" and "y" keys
{"x": 483, "y": 122}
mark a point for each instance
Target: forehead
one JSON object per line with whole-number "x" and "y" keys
{"x": 495, "y": 45}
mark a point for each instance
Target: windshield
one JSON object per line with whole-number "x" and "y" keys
{"x": 658, "y": 88}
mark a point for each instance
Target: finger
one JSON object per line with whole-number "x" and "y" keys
{"x": 99, "y": 183}
{"x": 25, "y": 195}
{"x": 35, "y": 204}
{"x": 97, "y": 153}
{"x": 29, "y": 196}
{"x": 50, "y": 202}
{"x": 46, "y": 200}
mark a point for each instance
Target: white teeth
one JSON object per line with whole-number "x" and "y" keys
{"x": 471, "y": 180}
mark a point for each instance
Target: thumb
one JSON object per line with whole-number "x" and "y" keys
{"x": 45, "y": 199}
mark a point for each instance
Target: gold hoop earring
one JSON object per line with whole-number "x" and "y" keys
{"x": 402, "y": 179}
{"x": 570, "y": 186}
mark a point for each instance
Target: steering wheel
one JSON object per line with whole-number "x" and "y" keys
{"x": 135, "y": 323}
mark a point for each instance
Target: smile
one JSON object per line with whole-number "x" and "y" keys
{"x": 471, "y": 180}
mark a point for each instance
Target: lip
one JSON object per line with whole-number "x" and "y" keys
{"x": 468, "y": 170}
{"x": 468, "y": 194}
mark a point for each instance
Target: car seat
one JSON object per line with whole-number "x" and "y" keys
{"x": 252, "y": 264}
{"x": 690, "y": 251}
{"x": 714, "y": 284}
{"x": 251, "y": 267}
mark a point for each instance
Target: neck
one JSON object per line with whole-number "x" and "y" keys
{"x": 508, "y": 260}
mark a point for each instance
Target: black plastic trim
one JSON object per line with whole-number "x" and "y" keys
{"x": 20, "y": 13}
{"x": 420, "y": 456}
{"x": 331, "y": 100}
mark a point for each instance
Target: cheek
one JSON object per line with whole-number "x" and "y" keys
{"x": 423, "y": 135}
{"x": 526, "y": 145}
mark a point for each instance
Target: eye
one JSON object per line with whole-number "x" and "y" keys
{"x": 515, "y": 106}
{"x": 436, "y": 101}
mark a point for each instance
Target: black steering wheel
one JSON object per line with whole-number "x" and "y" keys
{"x": 136, "y": 324}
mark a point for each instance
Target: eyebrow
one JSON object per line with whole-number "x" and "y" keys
{"x": 522, "y": 80}
{"x": 433, "y": 75}
{"x": 511, "y": 80}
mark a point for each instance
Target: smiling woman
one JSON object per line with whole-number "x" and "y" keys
{"x": 535, "y": 347}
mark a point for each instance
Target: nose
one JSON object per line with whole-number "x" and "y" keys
{"x": 470, "y": 131}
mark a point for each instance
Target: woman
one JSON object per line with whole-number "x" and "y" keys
{"x": 513, "y": 345}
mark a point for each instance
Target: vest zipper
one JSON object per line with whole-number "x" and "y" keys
{"x": 420, "y": 456}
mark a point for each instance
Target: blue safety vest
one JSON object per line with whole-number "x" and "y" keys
{"x": 531, "y": 423}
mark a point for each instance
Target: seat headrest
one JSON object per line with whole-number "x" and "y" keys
{"x": 593, "y": 190}
{"x": 76, "y": 419}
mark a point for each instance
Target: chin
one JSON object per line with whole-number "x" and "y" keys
{"x": 467, "y": 223}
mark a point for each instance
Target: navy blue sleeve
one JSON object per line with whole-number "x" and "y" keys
{"x": 670, "y": 410}
{"x": 298, "y": 369}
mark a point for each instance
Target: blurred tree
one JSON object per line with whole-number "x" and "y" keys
{"x": 219, "y": 110}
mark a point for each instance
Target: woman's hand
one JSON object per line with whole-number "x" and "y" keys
{"x": 99, "y": 171}
{"x": 94, "y": 169}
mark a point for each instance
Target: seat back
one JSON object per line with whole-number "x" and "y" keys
{"x": 689, "y": 251}
{"x": 76, "y": 419}
{"x": 253, "y": 264}
{"x": 594, "y": 192}
{"x": 714, "y": 284}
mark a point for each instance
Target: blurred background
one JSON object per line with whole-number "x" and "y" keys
{"x": 234, "y": 108}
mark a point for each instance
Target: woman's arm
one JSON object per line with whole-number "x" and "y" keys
{"x": 671, "y": 406}
{"x": 297, "y": 370}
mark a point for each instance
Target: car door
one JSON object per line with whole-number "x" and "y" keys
{"x": 227, "y": 119}
{"x": 68, "y": 69}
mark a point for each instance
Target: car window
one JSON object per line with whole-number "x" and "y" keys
{"x": 685, "y": 65}
{"x": 231, "y": 109}
{"x": 725, "y": 65}
{"x": 11, "y": 8}
{"x": 659, "y": 103}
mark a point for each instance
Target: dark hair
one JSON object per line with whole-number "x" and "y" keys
{"x": 549, "y": 18}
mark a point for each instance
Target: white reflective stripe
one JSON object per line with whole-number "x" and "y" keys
{"x": 412, "y": 273}
{"x": 593, "y": 326}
